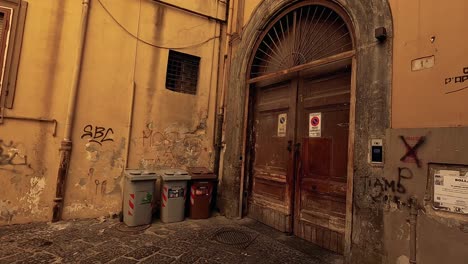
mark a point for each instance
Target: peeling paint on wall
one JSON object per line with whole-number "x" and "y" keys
{"x": 32, "y": 197}
{"x": 76, "y": 207}
{"x": 92, "y": 152}
{"x": 117, "y": 159}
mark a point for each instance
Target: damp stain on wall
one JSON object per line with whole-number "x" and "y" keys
{"x": 92, "y": 152}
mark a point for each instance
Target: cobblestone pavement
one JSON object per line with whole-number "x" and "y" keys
{"x": 216, "y": 240}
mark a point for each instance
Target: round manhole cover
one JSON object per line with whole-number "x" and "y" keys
{"x": 232, "y": 237}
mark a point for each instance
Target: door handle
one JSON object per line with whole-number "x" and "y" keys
{"x": 297, "y": 147}
{"x": 290, "y": 145}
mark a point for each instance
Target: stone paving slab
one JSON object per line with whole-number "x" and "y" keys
{"x": 191, "y": 241}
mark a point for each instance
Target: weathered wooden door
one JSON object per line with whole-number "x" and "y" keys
{"x": 272, "y": 169}
{"x": 301, "y": 189}
{"x": 323, "y": 124}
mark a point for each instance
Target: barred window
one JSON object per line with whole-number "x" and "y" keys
{"x": 182, "y": 72}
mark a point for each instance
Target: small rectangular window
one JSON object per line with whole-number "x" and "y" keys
{"x": 182, "y": 72}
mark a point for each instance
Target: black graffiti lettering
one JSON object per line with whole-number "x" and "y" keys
{"x": 88, "y": 131}
{"x": 465, "y": 70}
{"x": 401, "y": 188}
{"x": 403, "y": 173}
{"x": 98, "y": 135}
{"x": 384, "y": 189}
{"x": 396, "y": 199}
{"x": 448, "y": 80}
{"x": 107, "y": 133}
{"x": 378, "y": 183}
{"x": 390, "y": 185}
{"x": 98, "y": 132}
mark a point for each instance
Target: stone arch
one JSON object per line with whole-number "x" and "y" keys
{"x": 372, "y": 112}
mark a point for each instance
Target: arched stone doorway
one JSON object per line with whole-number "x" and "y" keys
{"x": 370, "y": 90}
{"x": 297, "y": 159}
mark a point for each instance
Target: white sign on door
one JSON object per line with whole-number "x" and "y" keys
{"x": 282, "y": 123}
{"x": 451, "y": 191}
{"x": 315, "y": 124}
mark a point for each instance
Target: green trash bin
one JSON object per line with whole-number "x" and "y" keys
{"x": 138, "y": 197}
{"x": 173, "y": 194}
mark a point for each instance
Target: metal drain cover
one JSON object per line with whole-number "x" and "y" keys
{"x": 233, "y": 237}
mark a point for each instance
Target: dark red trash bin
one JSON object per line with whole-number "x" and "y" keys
{"x": 201, "y": 192}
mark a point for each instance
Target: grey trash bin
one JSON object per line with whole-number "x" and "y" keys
{"x": 173, "y": 194}
{"x": 138, "y": 197}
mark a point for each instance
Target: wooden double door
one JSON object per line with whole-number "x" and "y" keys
{"x": 298, "y": 157}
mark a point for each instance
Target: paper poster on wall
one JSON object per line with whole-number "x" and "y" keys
{"x": 315, "y": 124}
{"x": 451, "y": 191}
{"x": 282, "y": 122}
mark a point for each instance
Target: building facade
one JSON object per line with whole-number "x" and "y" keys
{"x": 342, "y": 122}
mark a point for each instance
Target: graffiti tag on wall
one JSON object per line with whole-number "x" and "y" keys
{"x": 172, "y": 147}
{"x": 97, "y": 134}
{"x": 411, "y": 155}
{"x": 383, "y": 189}
{"x": 103, "y": 186}
{"x": 12, "y": 156}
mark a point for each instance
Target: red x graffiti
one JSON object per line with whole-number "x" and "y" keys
{"x": 411, "y": 150}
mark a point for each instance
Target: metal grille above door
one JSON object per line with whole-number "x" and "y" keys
{"x": 301, "y": 35}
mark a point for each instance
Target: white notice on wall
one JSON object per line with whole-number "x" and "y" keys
{"x": 315, "y": 124}
{"x": 451, "y": 191}
{"x": 282, "y": 123}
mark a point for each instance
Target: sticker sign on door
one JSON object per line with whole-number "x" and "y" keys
{"x": 282, "y": 122}
{"x": 315, "y": 124}
{"x": 451, "y": 191}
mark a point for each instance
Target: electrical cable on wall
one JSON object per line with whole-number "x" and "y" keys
{"x": 149, "y": 43}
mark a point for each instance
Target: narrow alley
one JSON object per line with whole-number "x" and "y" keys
{"x": 317, "y": 131}
{"x": 217, "y": 240}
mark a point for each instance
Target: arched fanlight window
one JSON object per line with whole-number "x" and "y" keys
{"x": 301, "y": 35}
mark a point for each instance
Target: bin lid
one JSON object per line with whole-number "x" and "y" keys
{"x": 174, "y": 175}
{"x": 201, "y": 173}
{"x": 140, "y": 175}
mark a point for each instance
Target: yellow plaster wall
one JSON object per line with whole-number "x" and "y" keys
{"x": 168, "y": 129}
{"x": 249, "y": 9}
{"x": 419, "y": 98}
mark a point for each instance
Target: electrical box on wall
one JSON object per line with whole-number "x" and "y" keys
{"x": 376, "y": 152}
